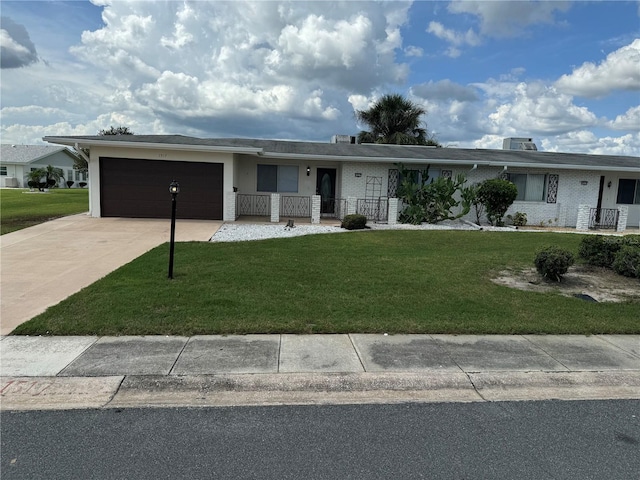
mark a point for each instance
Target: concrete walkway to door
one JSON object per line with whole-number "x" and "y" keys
{"x": 44, "y": 264}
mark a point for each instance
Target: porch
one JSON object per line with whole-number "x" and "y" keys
{"x": 272, "y": 207}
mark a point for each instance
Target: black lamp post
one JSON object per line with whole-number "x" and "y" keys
{"x": 174, "y": 189}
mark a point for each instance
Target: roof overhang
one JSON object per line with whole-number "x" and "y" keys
{"x": 444, "y": 161}
{"x": 84, "y": 143}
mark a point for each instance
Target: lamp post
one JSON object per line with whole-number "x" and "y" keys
{"x": 174, "y": 189}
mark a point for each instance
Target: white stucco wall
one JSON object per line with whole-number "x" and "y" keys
{"x": 155, "y": 154}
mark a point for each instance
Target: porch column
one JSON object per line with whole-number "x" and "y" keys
{"x": 392, "y": 214}
{"x": 229, "y": 214}
{"x": 315, "y": 208}
{"x": 583, "y": 218}
{"x": 623, "y": 216}
{"x": 351, "y": 205}
{"x": 275, "y": 207}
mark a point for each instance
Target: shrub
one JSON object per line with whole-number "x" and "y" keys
{"x": 354, "y": 222}
{"x": 599, "y": 251}
{"x": 82, "y": 184}
{"x": 627, "y": 261}
{"x": 70, "y": 183}
{"x": 497, "y": 196}
{"x": 519, "y": 219}
{"x": 553, "y": 262}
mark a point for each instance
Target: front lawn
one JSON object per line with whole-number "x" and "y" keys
{"x": 372, "y": 281}
{"x": 21, "y": 208}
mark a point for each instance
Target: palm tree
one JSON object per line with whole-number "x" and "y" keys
{"x": 394, "y": 119}
{"x": 53, "y": 175}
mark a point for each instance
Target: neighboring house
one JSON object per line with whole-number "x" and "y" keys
{"x": 222, "y": 179}
{"x": 16, "y": 161}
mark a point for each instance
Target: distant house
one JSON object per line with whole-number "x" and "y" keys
{"x": 16, "y": 161}
{"x": 222, "y": 179}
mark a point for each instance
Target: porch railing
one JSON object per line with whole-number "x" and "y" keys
{"x": 603, "y": 218}
{"x": 375, "y": 209}
{"x": 254, "y": 205}
{"x": 295, "y": 206}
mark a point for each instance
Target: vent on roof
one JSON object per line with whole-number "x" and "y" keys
{"x": 343, "y": 139}
{"x": 518, "y": 144}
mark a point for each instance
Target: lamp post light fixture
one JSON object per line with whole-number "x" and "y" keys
{"x": 174, "y": 189}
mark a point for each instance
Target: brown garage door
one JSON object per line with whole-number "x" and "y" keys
{"x": 140, "y": 188}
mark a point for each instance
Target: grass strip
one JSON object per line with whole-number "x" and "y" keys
{"x": 21, "y": 208}
{"x": 369, "y": 282}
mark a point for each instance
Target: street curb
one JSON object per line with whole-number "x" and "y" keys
{"x": 63, "y": 393}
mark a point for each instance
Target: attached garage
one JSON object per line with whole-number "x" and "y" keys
{"x": 140, "y": 188}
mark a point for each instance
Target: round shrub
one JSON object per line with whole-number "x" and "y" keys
{"x": 599, "y": 251}
{"x": 553, "y": 262}
{"x": 627, "y": 261}
{"x": 354, "y": 222}
{"x": 497, "y": 195}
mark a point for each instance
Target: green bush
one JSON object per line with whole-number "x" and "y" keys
{"x": 497, "y": 196}
{"x": 599, "y": 251}
{"x": 627, "y": 261}
{"x": 553, "y": 262}
{"x": 519, "y": 219}
{"x": 354, "y": 222}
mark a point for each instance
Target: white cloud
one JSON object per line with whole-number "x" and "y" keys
{"x": 584, "y": 141}
{"x": 630, "y": 120}
{"x": 456, "y": 39}
{"x": 539, "y": 109}
{"x": 509, "y": 18}
{"x": 619, "y": 71}
{"x": 413, "y": 51}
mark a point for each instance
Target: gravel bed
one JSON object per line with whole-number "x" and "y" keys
{"x": 240, "y": 232}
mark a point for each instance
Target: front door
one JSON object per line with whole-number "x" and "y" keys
{"x": 326, "y": 188}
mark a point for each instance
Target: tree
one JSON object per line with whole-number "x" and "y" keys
{"x": 431, "y": 201}
{"x": 80, "y": 164}
{"x": 396, "y": 120}
{"x": 120, "y": 130}
{"x": 53, "y": 175}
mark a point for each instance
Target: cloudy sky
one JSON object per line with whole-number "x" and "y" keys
{"x": 565, "y": 73}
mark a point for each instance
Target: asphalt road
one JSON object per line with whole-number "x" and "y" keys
{"x": 508, "y": 440}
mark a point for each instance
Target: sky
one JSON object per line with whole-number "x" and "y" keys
{"x": 566, "y": 74}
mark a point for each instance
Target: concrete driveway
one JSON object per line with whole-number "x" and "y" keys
{"x": 44, "y": 264}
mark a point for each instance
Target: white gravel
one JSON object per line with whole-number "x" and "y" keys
{"x": 240, "y": 232}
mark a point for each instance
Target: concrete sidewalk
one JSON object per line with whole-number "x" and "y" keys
{"x": 92, "y": 372}
{"x": 44, "y": 264}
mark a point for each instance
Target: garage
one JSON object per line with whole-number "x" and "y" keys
{"x": 137, "y": 188}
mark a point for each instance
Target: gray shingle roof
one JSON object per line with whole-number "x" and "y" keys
{"x": 24, "y": 154}
{"x": 377, "y": 153}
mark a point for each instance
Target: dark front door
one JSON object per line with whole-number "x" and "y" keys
{"x": 326, "y": 188}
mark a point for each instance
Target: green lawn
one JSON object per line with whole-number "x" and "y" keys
{"x": 21, "y": 209}
{"x": 372, "y": 281}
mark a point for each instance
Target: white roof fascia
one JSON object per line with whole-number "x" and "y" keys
{"x": 340, "y": 158}
{"x": 553, "y": 166}
{"x": 547, "y": 166}
{"x": 157, "y": 146}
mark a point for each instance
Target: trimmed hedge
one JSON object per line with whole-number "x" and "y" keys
{"x": 627, "y": 261}
{"x": 354, "y": 222}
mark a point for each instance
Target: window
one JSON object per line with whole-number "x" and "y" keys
{"x": 278, "y": 178}
{"x": 628, "y": 191}
{"x": 531, "y": 188}
{"x": 3, "y": 171}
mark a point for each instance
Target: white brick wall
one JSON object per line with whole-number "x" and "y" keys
{"x": 571, "y": 190}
